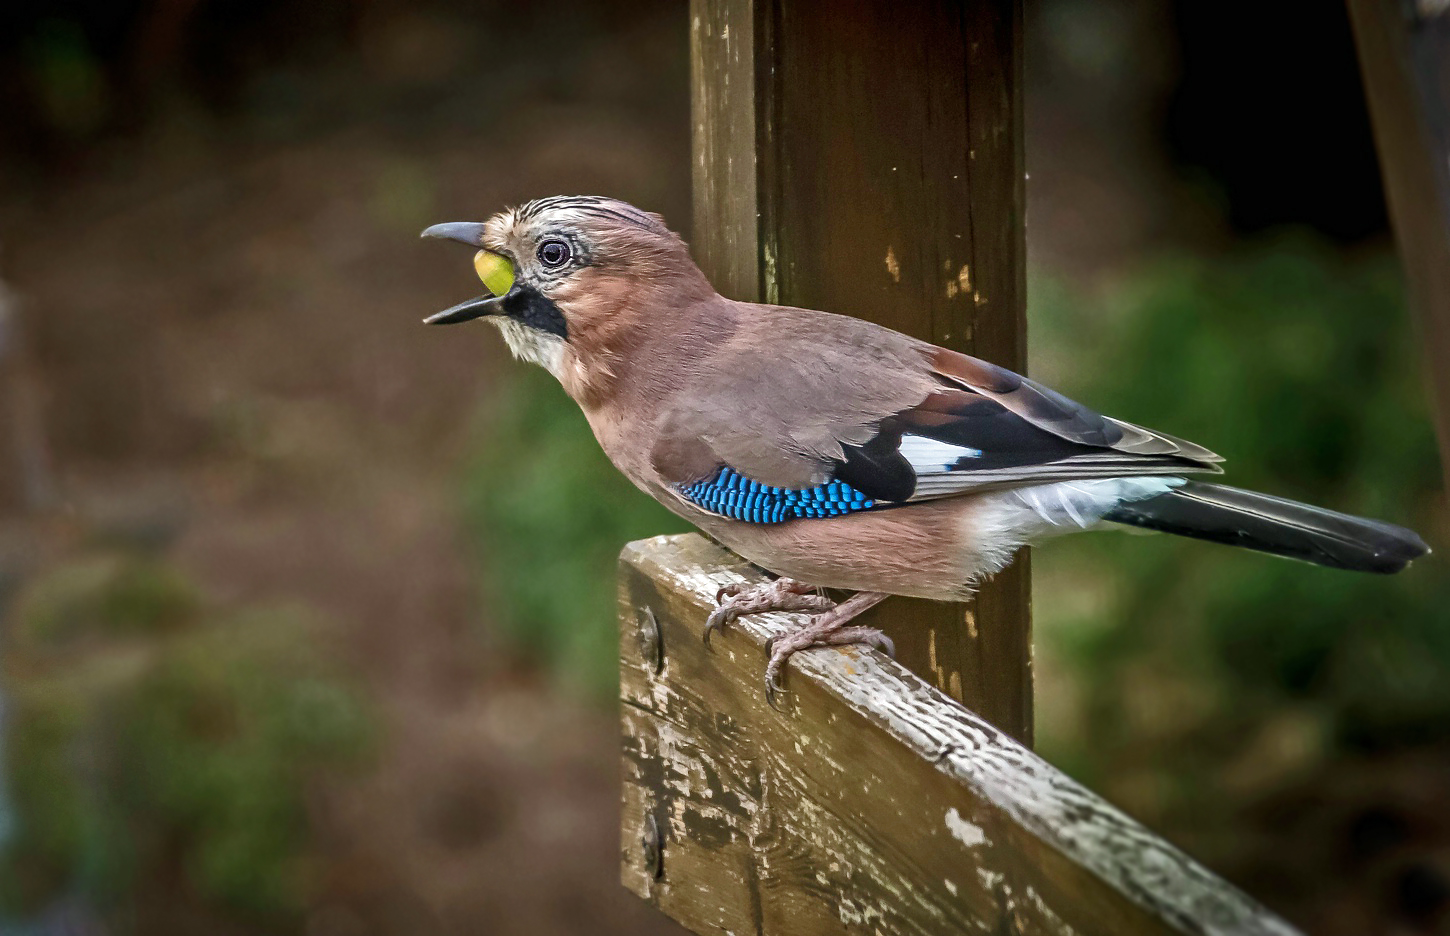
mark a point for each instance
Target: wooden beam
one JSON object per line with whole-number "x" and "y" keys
{"x": 872, "y": 803}
{"x": 865, "y": 157}
{"x": 1404, "y": 56}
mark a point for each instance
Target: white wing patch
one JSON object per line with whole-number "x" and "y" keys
{"x": 930, "y": 456}
{"x": 943, "y": 469}
{"x": 934, "y": 462}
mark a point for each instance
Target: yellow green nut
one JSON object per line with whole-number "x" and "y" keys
{"x": 495, "y": 271}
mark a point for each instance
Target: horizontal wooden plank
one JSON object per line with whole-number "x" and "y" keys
{"x": 872, "y": 802}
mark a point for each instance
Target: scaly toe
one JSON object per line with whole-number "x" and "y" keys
{"x": 736, "y": 599}
{"x": 728, "y": 591}
{"x": 867, "y": 636}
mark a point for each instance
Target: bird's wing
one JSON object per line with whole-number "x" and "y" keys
{"x": 990, "y": 427}
{"x": 782, "y": 398}
{"x": 821, "y": 417}
{"x": 1051, "y": 411}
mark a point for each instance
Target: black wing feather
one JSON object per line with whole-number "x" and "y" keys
{"x": 1008, "y": 450}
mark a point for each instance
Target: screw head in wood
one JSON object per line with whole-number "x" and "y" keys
{"x": 652, "y": 849}
{"x": 651, "y": 641}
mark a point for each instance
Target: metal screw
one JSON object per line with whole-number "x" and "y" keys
{"x": 651, "y": 641}
{"x": 651, "y": 848}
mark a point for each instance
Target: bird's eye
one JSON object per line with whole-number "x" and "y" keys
{"x": 554, "y": 253}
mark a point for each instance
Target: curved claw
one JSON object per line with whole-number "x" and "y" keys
{"x": 728, "y": 591}
{"x": 774, "y": 670}
{"x": 716, "y": 622}
{"x": 887, "y": 646}
{"x": 773, "y": 690}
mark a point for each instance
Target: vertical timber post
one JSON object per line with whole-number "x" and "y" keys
{"x": 865, "y": 157}
{"x": 1404, "y": 56}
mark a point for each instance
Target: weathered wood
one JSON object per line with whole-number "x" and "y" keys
{"x": 871, "y": 803}
{"x": 1404, "y": 56}
{"x": 726, "y": 232}
{"x": 865, "y": 157}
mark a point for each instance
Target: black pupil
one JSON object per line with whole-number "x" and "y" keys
{"x": 554, "y": 253}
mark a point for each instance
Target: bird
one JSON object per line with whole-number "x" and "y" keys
{"x": 834, "y": 453}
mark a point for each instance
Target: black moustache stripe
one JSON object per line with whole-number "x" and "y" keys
{"x": 528, "y": 306}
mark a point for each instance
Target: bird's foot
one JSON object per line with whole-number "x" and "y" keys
{"x": 828, "y": 629}
{"x": 781, "y": 595}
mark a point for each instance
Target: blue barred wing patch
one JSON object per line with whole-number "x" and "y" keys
{"x": 731, "y": 495}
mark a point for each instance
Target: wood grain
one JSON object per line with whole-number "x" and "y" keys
{"x": 871, "y": 803}
{"x": 1404, "y": 56}
{"x": 865, "y": 157}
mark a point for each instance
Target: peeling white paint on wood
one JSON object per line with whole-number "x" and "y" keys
{"x": 701, "y": 743}
{"x": 963, "y": 830}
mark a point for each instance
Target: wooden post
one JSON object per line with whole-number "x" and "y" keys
{"x": 865, "y": 157}
{"x": 1404, "y": 56}
{"x": 872, "y": 803}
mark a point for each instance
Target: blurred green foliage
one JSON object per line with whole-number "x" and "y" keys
{"x": 551, "y": 514}
{"x": 1204, "y": 676}
{"x": 101, "y": 597}
{"x": 150, "y": 738}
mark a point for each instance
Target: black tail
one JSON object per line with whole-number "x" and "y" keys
{"x": 1273, "y": 525}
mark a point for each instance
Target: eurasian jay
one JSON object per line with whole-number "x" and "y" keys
{"x": 833, "y": 452}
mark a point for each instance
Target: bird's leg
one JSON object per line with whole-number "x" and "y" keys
{"x": 826, "y": 629}
{"x": 783, "y": 594}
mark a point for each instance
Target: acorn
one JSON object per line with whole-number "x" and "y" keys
{"x": 495, "y": 270}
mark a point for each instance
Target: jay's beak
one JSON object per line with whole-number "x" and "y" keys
{"x": 465, "y": 232}
{"x": 466, "y": 311}
{"x": 494, "y": 269}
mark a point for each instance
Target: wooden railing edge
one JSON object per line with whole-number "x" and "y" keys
{"x": 741, "y": 818}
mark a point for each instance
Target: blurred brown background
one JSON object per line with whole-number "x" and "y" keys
{"x": 306, "y": 608}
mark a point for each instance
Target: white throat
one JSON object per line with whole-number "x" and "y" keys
{"x": 532, "y": 345}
